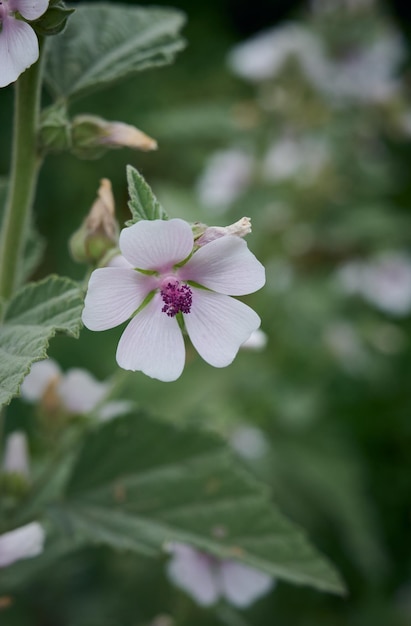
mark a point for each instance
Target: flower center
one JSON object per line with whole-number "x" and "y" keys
{"x": 176, "y": 297}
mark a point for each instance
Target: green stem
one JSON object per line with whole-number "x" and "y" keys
{"x": 25, "y": 166}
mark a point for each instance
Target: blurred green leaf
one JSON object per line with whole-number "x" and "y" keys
{"x": 140, "y": 483}
{"x": 105, "y": 43}
{"x": 35, "y": 314}
{"x": 143, "y": 204}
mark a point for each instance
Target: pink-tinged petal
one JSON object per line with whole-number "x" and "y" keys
{"x": 217, "y": 326}
{"x": 119, "y": 261}
{"x": 21, "y": 543}
{"x": 19, "y": 49}
{"x": 29, "y": 9}
{"x": 193, "y": 572}
{"x": 156, "y": 245}
{"x": 113, "y": 295}
{"x": 80, "y": 391}
{"x": 36, "y": 382}
{"x": 153, "y": 344}
{"x": 225, "y": 265}
{"x": 242, "y": 585}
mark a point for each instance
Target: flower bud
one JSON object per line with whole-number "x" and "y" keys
{"x": 92, "y": 136}
{"x": 16, "y": 456}
{"x": 55, "y": 129}
{"x": 239, "y": 229}
{"x": 99, "y": 231}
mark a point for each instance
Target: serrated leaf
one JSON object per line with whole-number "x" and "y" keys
{"x": 143, "y": 204}
{"x": 35, "y": 314}
{"x": 140, "y": 483}
{"x": 105, "y": 43}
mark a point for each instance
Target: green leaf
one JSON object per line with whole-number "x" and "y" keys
{"x": 140, "y": 483}
{"x": 143, "y": 204}
{"x": 35, "y": 314}
{"x": 108, "y": 42}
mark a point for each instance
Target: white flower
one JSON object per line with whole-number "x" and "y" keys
{"x": 385, "y": 281}
{"x": 300, "y": 159}
{"x": 21, "y": 543}
{"x": 207, "y": 579}
{"x": 18, "y": 42}
{"x": 249, "y": 442}
{"x": 166, "y": 282}
{"x": 16, "y": 457}
{"x": 368, "y": 74}
{"x": 225, "y": 178}
{"x": 76, "y": 391}
{"x": 256, "y": 341}
{"x": 263, "y": 56}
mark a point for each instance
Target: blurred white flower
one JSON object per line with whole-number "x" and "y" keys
{"x": 263, "y": 56}
{"x": 384, "y": 282}
{"x": 346, "y": 346}
{"x": 76, "y": 391}
{"x": 256, "y": 341}
{"x": 16, "y": 456}
{"x": 330, "y": 6}
{"x": 207, "y": 579}
{"x": 226, "y": 176}
{"x": 21, "y": 543}
{"x": 302, "y": 159}
{"x": 368, "y": 73}
{"x": 249, "y": 442}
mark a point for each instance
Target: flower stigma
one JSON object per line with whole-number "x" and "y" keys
{"x": 177, "y": 297}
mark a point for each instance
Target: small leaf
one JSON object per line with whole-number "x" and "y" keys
{"x": 140, "y": 483}
{"x": 105, "y": 43}
{"x": 35, "y": 314}
{"x": 143, "y": 204}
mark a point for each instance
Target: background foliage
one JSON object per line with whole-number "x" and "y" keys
{"x": 329, "y": 395}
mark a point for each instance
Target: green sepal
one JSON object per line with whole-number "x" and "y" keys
{"x": 55, "y": 129}
{"x": 143, "y": 204}
{"x": 53, "y": 21}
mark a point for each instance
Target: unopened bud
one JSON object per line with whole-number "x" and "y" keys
{"x": 239, "y": 229}
{"x": 16, "y": 456}
{"x": 92, "y": 136}
{"x": 99, "y": 231}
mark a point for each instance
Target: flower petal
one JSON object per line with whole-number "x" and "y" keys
{"x": 19, "y": 49}
{"x": 80, "y": 391}
{"x": 242, "y": 584}
{"x": 21, "y": 543}
{"x": 29, "y": 9}
{"x": 153, "y": 344}
{"x": 36, "y": 382}
{"x": 113, "y": 295}
{"x": 156, "y": 245}
{"x": 217, "y": 326}
{"x": 225, "y": 265}
{"x": 193, "y": 572}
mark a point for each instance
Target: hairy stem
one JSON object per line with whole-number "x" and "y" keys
{"x": 25, "y": 165}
